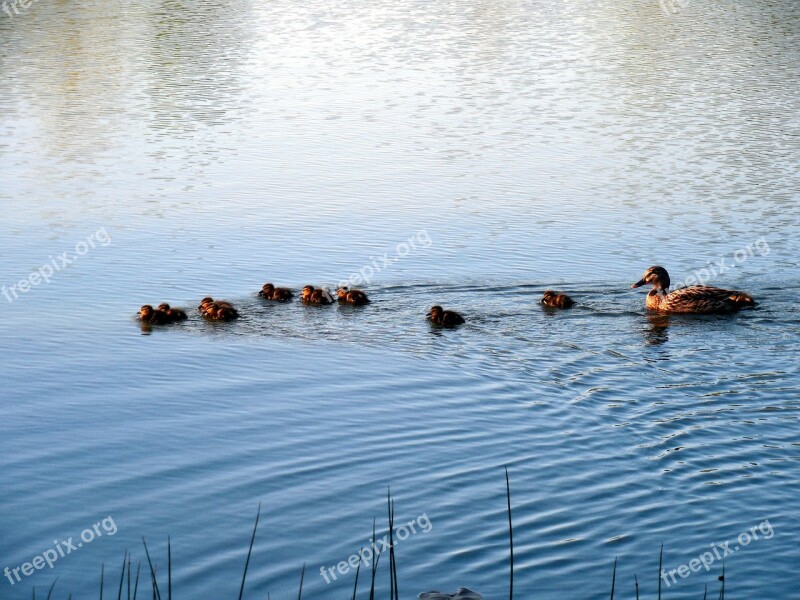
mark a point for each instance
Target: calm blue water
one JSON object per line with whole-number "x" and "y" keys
{"x": 207, "y": 147}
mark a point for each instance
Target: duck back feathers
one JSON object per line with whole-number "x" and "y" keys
{"x": 698, "y": 299}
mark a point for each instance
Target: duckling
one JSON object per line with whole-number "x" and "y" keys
{"x": 698, "y": 299}
{"x": 554, "y": 300}
{"x": 217, "y": 310}
{"x": 175, "y": 314}
{"x": 316, "y": 296}
{"x": 270, "y": 292}
{"x": 321, "y": 296}
{"x": 205, "y": 303}
{"x": 226, "y": 312}
{"x": 147, "y": 314}
{"x": 445, "y": 318}
{"x": 354, "y": 297}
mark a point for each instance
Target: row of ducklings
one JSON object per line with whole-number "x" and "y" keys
{"x": 698, "y": 299}
{"x": 220, "y": 310}
{"x": 312, "y": 295}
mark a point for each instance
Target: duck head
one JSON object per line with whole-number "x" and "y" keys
{"x": 342, "y": 292}
{"x": 548, "y": 296}
{"x": 655, "y": 276}
{"x": 435, "y": 312}
{"x": 307, "y": 291}
{"x": 146, "y": 312}
{"x": 268, "y": 289}
{"x": 164, "y": 307}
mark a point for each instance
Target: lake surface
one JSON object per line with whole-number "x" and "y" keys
{"x": 177, "y": 150}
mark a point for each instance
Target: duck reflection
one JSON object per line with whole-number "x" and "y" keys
{"x": 657, "y": 330}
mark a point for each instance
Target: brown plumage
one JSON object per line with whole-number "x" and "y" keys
{"x": 163, "y": 315}
{"x": 354, "y": 297}
{"x": 317, "y": 297}
{"x": 152, "y": 316}
{"x": 444, "y": 318}
{"x": 270, "y": 292}
{"x": 218, "y": 310}
{"x": 554, "y": 300}
{"x": 175, "y": 314}
{"x": 698, "y": 299}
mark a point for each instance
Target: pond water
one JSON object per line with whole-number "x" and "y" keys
{"x": 470, "y": 154}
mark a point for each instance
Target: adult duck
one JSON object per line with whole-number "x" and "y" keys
{"x": 697, "y": 299}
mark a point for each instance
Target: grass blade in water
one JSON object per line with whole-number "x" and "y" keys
{"x": 249, "y": 552}
{"x": 510, "y": 540}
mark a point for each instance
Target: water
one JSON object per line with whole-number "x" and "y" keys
{"x": 523, "y": 146}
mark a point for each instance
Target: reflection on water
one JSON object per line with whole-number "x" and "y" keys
{"x": 658, "y": 330}
{"x": 540, "y": 145}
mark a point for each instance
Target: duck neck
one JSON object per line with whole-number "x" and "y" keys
{"x": 661, "y": 290}
{"x": 656, "y": 296}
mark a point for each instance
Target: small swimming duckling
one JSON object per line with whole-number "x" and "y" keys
{"x": 316, "y": 296}
{"x": 175, "y": 314}
{"x": 554, "y": 300}
{"x": 354, "y": 297}
{"x": 222, "y": 311}
{"x": 152, "y": 316}
{"x": 218, "y": 310}
{"x": 445, "y": 318}
{"x": 697, "y": 299}
{"x": 270, "y": 292}
{"x": 205, "y": 305}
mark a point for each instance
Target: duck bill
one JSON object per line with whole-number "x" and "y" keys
{"x": 639, "y": 283}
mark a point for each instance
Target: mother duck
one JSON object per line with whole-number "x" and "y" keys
{"x": 697, "y": 299}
